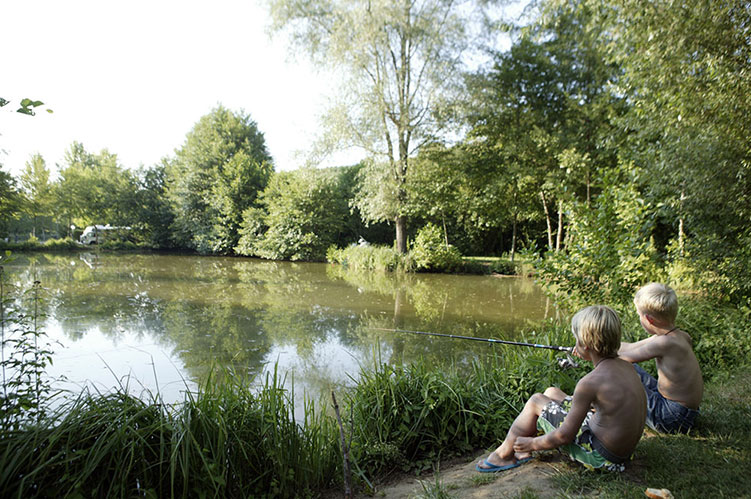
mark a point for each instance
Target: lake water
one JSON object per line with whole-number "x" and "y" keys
{"x": 159, "y": 322}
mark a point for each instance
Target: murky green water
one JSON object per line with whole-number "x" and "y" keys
{"x": 158, "y": 322}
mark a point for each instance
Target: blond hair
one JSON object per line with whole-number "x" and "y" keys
{"x": 598, "y": 328}
{"x": 657, "y": 300}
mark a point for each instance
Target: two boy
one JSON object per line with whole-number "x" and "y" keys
{"x": 601, "y": 423}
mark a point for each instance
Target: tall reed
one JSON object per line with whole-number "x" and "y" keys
{"x": 224, "y": 441}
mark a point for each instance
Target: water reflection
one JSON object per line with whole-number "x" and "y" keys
{"x": 161, "y": 317}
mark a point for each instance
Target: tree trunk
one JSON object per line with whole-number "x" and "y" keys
{"x": 513, "y": 238}
{"x": 558, "y": 236}
{"x": 589, "y": 183}
{"x": 681, "y": 233}
{"x": 445, "y": 232}
{"x": 547, "y": 220}
{"x": 401, "y": 233}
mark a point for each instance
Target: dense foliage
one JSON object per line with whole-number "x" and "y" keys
{"x": 215, "y": 176}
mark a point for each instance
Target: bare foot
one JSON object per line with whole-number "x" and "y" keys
{"x": 496, "y": 460}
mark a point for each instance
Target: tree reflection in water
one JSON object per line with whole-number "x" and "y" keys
{"x": 314, "y": 320}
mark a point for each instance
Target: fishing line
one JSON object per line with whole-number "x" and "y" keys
{"x": 474, "y": 338}
{"x": 564, "y": 363}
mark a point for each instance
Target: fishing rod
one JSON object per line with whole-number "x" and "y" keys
{"x": 474, "y": 338}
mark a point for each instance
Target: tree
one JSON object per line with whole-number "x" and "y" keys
{"x": 94, "y": 188}
{"x": 153, "y": 216}
{"x": 686, "y": 67}
{"x": 10, "y": 200}
{"x": 215, "y": 176}
{"x": 545, "y": 110}
{"x": 35, "y": 183}
{"x": 399, "y": 58}
{"x": 304, "y": 213}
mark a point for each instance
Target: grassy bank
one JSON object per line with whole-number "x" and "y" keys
{"x": 67, "y": 244}
{"x": 383, "y": 258}
{"x": 227, "y": 441}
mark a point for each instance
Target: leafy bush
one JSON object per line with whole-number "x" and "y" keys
{"x": 431, "y": 253}
{"x": 503, "y": 267}
{"x": 369, "y": 257}
{"x": 610, "y": 252}
{"x": 304, "y": 212}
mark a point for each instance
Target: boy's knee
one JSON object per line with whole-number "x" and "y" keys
{"x": 551, "y": 392}
{"x": 538, "y": 400}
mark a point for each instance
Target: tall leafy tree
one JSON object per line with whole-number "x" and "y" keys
{"x": 35, "y": 182}
{"x": 153, "y": 216}
{"x": 214, "y": 177}
{"x": 398, "y": 58}
{"x": 10, "y": 200}
{"x": 94, "y": 188}
{"x": 545, "y": 109}
{"x": 686, "y": 67}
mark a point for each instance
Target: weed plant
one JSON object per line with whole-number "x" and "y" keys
{"x": 224, "y": 441}
{"x": 370, "y": 257}
{"x": 25, "y": 354}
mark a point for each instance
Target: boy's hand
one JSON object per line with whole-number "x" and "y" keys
{"x": 523, "y": 444}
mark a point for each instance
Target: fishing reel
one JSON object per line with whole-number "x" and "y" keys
{"x": 568, "y": 362}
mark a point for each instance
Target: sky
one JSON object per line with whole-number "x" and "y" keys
{"x": 133, "y": 77}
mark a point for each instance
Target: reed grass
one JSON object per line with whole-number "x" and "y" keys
{"x": 382, "y": 258}
{"x": 224, "y": 441}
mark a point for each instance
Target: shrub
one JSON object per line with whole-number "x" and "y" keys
{"x": 431, "y": 253}
{"x": 369, "y": 257}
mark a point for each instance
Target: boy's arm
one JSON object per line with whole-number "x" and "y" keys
{"x": 584, "y": 395}
{"x": 648, "y": 348}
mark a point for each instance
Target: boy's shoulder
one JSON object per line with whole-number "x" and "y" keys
{"x": 677, "y": 338}
{"x": 609, "y": 370}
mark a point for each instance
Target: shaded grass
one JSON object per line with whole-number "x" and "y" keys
{"x": 406, "y": 418}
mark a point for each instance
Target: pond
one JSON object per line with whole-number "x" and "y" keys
{"x": 160, "y": 322}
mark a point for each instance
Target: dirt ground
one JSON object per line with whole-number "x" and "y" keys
{"x": 460, "y": 479}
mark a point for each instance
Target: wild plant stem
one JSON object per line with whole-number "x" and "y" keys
{"x": 345, "y": 450}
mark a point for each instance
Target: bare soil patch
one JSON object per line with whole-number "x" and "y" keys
{"x": 460, "y": 479}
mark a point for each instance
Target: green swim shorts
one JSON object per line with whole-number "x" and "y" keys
{"x": 585, "y": 448}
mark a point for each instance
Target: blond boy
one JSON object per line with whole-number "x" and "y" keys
{"x": 673, "y": 399}
{"x": 604, "y": 438}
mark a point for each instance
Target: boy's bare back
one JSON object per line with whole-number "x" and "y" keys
{"x": 619, "y": 403}
{"x": 679, "y": 375}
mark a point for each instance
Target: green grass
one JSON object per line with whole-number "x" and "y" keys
{"x": 224, "y": 441}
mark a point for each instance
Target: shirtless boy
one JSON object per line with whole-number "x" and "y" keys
{"x": 673, "y": 399}
{"x": 605, "y": 438}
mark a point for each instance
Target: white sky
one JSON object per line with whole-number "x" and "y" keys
{"x": 135, "y": 76}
